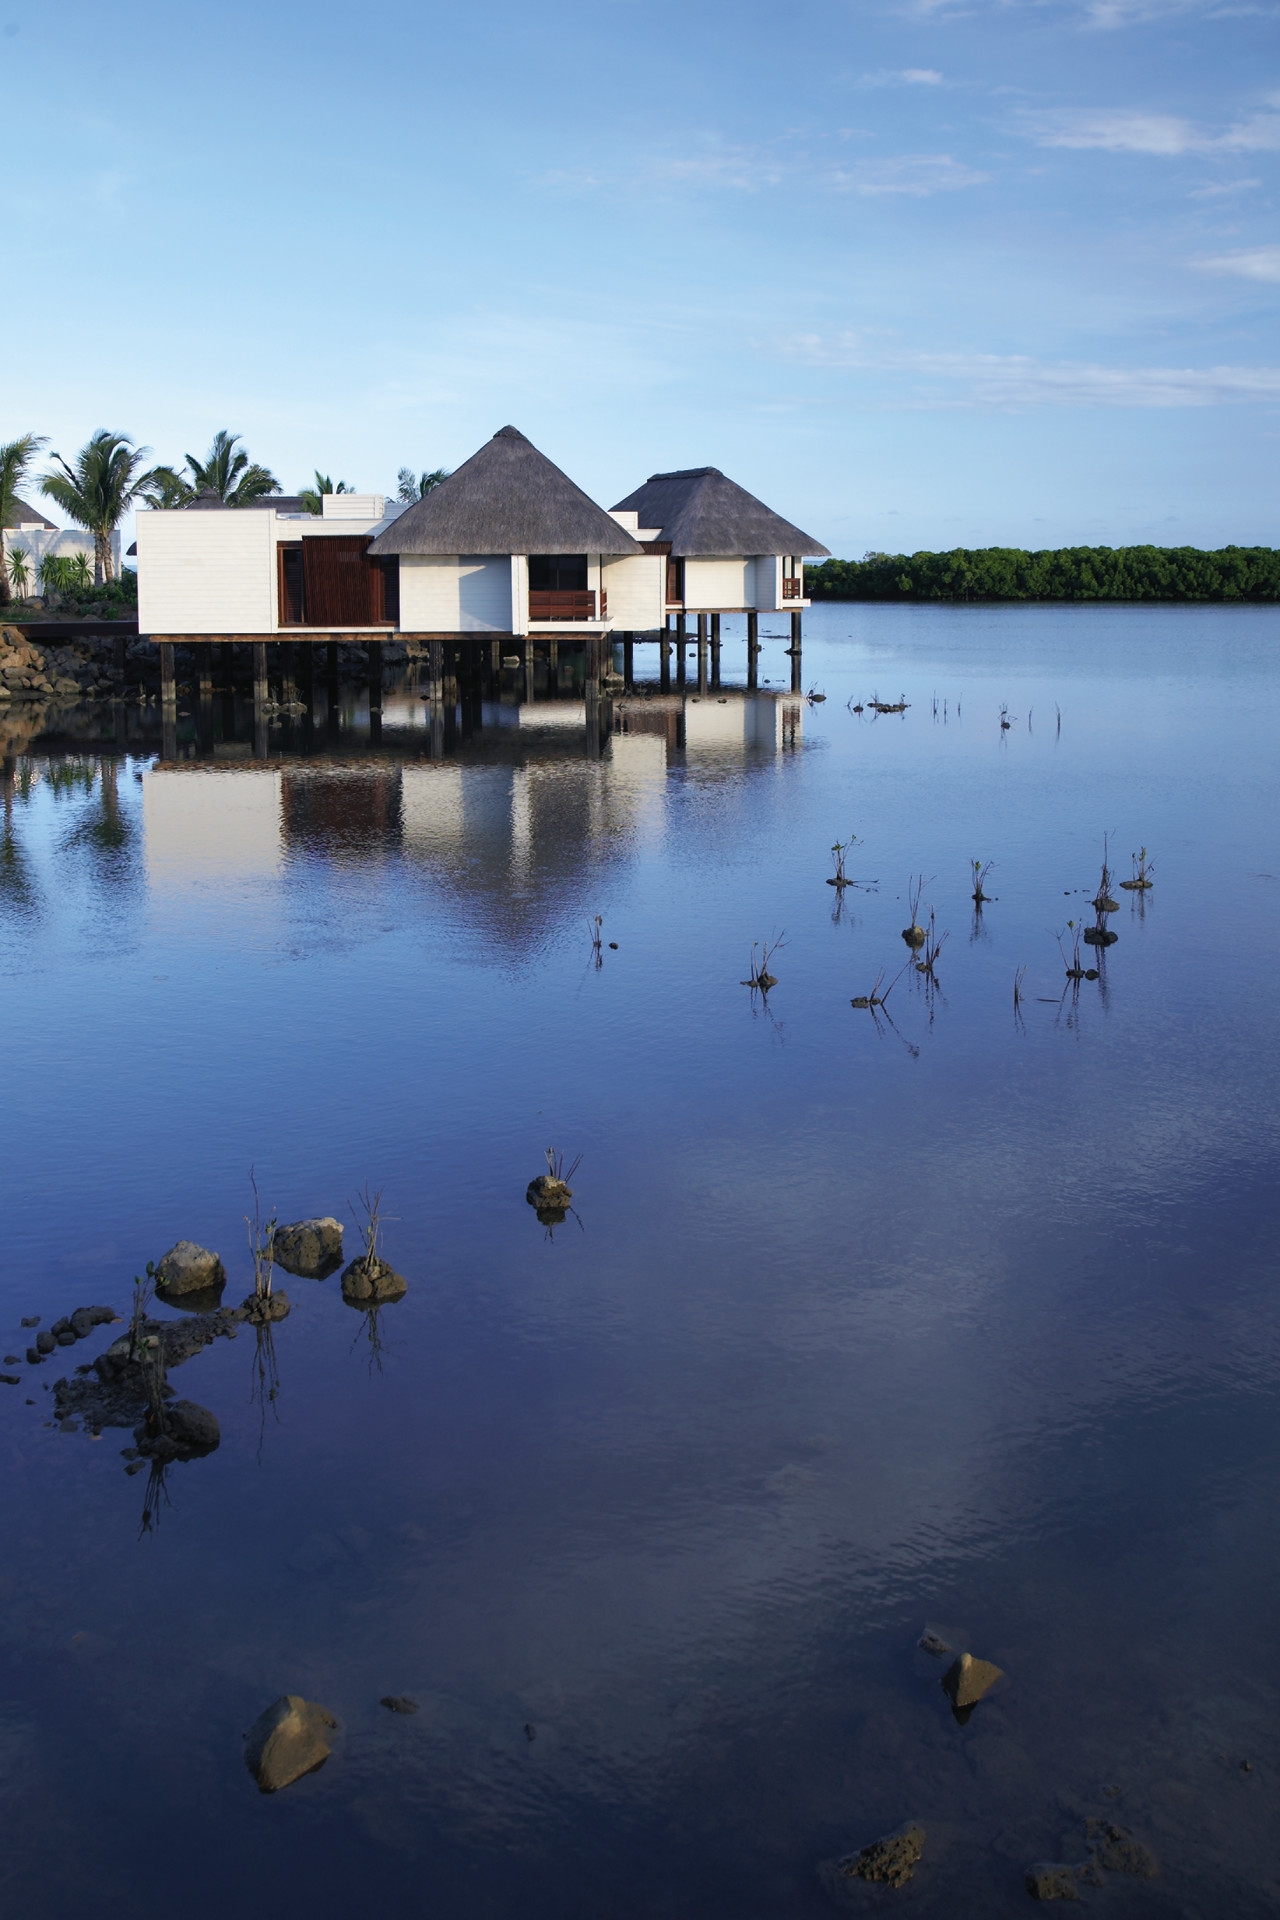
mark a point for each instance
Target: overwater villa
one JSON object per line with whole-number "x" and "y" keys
{"x": 507, "y": 550}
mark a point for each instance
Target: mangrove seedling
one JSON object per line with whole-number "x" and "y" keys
{"x": 1071, "y": 960}
{"x": 594, "y": 927}
{"x": 1005, "y": 721}
{"x": 1104, "y": 903}
{"x": 878, "y": 705}
{"x": 980, "y": 870}
{"x": 839, "y": 854}
{"x": 261, "y": 1252}
{"x": 914, "y": 934}
{"x": 1143, "y": 868}
{"x": 762, "y": 952}
{"x": 933, "y": 945}
{"x": 879, "y": 992}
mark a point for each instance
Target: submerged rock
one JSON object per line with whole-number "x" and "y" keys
{"x": 1116, "y": 1849}
{"x": 187, "y": 1268}
{"x": 399, "y": 1702}
{"x": 264, "y": 1308}
{"x": 369, "y": 1281}
{"x": 1100, "y": 937}
{"x": 45, "y": 1343}
{"x": 309, "y": 1248}
{"x": 891, "y": 1859}
{"x": 287, "y": 1741}
{"x": 1049, "y": 1880}
{"x": 934, "y": 1643}
{"x": 913, "y": 935}
{"x": 966, "y": 1680}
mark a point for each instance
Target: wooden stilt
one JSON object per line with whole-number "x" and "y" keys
{"x": 629, "y": 662}
{"x": 681, "y": 635}
{"x": 259, "y": 672}
{"x": 702, "y": 652}
{"x": 435, "y": 672}
{"x": 373, "y": 653}
{"x": 796, "y": 682}
{"x": 715, "y": 651}
{"x": 753, "y": 651}
{"x": 168, "y": 685}
{"x": 204, "y": 668}
{"x": 664, "y": 655}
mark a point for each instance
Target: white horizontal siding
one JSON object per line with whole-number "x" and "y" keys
{"x": 718, "y": 583}
{"x": 637, "y": 588}
{"x": 206, "y": 572}
{"x": 443, "y": 594}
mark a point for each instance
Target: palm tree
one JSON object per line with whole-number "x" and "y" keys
{"x": 19, "y": 570}
{"x": 99, "y": 489}
{"x": 225, "y": 471}
{"x": 15, "y": 460}
{"x": 311, "y": 496}
{"x": 411, "y": 486}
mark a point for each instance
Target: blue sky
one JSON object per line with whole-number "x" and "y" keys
{"x": 921, "y": 274}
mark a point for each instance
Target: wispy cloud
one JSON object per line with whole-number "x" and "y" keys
{"x": 1135, "y": 130}
{"x": 917, "y": 174}
{"x": 1107, "y": 15}
{"x": 1250, "y": 263}
{"x": 902, "y": 77}
{"x": 1011, "y": 382}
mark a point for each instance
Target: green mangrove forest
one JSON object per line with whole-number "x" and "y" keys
{"x": 1058, "y": 573}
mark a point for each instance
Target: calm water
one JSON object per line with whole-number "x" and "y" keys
{"x": 963, "y": 1319}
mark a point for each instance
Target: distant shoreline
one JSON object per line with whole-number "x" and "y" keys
{"x": 1230, "y": 576}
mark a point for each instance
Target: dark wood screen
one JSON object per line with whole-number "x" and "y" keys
{"x": 342, "y": 587}
{"x": 292, "y": 604}
{"x": 675, "y": 581}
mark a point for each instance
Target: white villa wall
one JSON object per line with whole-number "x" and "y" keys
{"x": 441, "y": 594}
{"x": 207, "y": 572}
{"x": 64, "y": 542}
{"x": 768, "y": 582}
{"x": 722, "y": 584}
{"x": 637, "y": 586}
{"x": 520, "y": 593}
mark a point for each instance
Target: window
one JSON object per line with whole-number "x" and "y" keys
{"x": 675, "y": 582}
{"x": 557, "y": 573}
{"x": 292, "y": 605}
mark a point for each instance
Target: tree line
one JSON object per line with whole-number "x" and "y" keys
{"x": 1056, "y": 573}
{"x": 110, "y": 475}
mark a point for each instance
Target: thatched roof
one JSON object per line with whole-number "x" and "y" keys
{"x": 507, "y": 498}
{"x": 706, "y": 516}
{"x": 21, "y": 515}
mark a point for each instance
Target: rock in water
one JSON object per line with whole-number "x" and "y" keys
{"x": 369, "y": 1281}
{"x": 891, "y": 1859}
{"x": 310, "y": 1248}
{"x": 399, "y": 1702}
{"x": 547, "y": 1191}
{"x": 934, "y": 1643}
{"x": 263, "y": 1308}
{"x": 188, "y": 1432}
{"x": 188, "y": 1268}
{"x": 966, "y": 1680}
{"x": 287, "y": 1741}
{"x": 1047, "y": 1880}
{"x": 1116, "y": 1849}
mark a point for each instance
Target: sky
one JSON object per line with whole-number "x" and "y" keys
{"x": 921, "y": 273}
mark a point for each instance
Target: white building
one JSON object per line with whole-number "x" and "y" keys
{"x": 27, "y": 531}
{"x": 507, "y": 547}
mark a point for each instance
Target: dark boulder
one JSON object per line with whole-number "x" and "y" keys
{"x": 183, "y": 1431}
{"x": 967, "y": 1680}
{"x": 370, "y": 1282}
{"x": 187, "y": 1268}
{"x": 1049, "y": 1880}
{"x": 892, "y": 1859}
{"x": 1116, "y": 1849}
{"x": 310, "y": 1248}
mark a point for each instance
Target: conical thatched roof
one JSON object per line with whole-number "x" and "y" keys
{"x": 508, "y": 498}
{"x": 21, "y": 515}
{"x": 706, "y": 516}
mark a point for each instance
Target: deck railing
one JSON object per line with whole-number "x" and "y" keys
{"x": 548, "y": 603}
